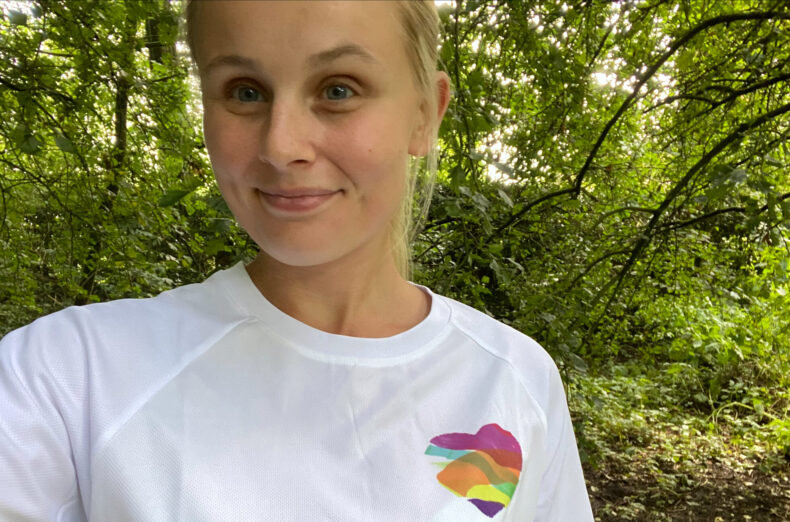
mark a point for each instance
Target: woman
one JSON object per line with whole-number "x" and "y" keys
{"x": 316, "y": 383}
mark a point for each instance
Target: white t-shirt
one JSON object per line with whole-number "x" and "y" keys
{"x": 207, "y": 403}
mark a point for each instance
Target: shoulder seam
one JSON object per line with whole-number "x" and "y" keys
{"x": 474, "y": 338}
{"x": 141, "y": 400}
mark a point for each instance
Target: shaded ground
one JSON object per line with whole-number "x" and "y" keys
{"x": 653, "y": 452}
{"x": 713, "y": 489}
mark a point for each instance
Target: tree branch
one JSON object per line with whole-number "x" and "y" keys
{"x": 645, "y": 237}
{"x": 646, "y": 210}
{"x": 670, "y": 99}
{"x": 593, "y": 264}
{"x": 752, "y": 88}
{"x": 434, "y": 224}
{"x": 667, "y": 227}
{"x": 575, "y": 190}
{"x": 653, "y": 69}
{"x": 515, "y": 217}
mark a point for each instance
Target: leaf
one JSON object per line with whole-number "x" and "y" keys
{"x": 474, "y": 80}
{"x": 30, "y": 144}
{"x": 502, "y": 275}
{"x": 503, "y": 168}
{"x": 63, "y": 143}
{"x": 481, "y": 201}
{"x": 482, "y": 122}
{"x": 720, "y": 170}
{"x": 773, "y": 161}
{"x": 685, "y": 60}
{"x": 172, "y": 196}
{"x": 578, "y": 363}
{"x": 486, "y": 223}
{"x": 218, "y": 204}
{"x": 516, "y": 264}
{"x": 737, "y": 176}
{"x": 724, "y": 174}
{"x": 675, "y": 368}
{"x": 220, "y": 226}
{"x": 453, "y": 209}
{"x": 505, "y": 198}
{"x": 549, "y": 318}
{"x": 761, "y": 184}
{"x": 214, "y": 246}
{"x": 457, "y": 176}
{"x": 17, "y": 18}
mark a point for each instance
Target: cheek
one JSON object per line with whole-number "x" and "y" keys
{"x": 211, "y": 126}
{"x": 229, "y": 143}
{"x": 214, "y": 138}
{"x": 371, "y": 149}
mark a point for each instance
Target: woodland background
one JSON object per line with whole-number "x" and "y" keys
{"x": 614, "y": 182}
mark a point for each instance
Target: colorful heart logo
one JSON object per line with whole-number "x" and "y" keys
{"x": 484, "y": 467}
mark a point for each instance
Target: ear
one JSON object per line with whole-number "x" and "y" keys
{"x": 423, "y": 133}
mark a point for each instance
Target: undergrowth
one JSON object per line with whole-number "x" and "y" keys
{"x": 648, "y": 456}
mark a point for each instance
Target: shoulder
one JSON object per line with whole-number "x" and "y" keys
{"x": 498, "y": 338}
{"x": 529, "y": 360}
{"x": 157, "y": 316}
{"x": 119, "y": 341}
{"x": 88, "y": 368}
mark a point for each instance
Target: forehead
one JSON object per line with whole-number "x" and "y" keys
{"x": 301, "y": 29}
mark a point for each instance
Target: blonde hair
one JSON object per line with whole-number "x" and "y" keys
{"x": 420, "y": 23}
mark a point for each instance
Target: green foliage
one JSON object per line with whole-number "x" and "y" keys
{"x": 781, "y": 429}
{"x": 106, "y": 187}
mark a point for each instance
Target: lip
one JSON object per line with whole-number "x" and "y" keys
{"x": 298, "y": 200}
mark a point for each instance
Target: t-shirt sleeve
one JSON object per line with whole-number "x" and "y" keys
{"x": 37, "y": 473}
{"x": 563, "y": 494}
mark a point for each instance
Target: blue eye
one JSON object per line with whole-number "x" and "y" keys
{"x": 246, "y": 94}
{"x": 338, "y": 92}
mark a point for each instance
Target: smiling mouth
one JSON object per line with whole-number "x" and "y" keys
{"x": 297, "y": 201}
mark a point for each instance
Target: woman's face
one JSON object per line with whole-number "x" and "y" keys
{"x": 310, "y": 113}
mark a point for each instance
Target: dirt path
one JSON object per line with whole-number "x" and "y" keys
{"x": 712, "y": 491}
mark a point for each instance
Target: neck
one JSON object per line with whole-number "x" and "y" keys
{"x": 360, "y": 296}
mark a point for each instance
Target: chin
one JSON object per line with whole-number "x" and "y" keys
{"x": 299, "y": 257}
{"x": 317, "y": 252}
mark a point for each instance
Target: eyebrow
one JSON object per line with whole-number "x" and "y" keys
{"x": 315, "y": 60}
{"x": 230, "y": 60}
{"x": 341, "y": 51}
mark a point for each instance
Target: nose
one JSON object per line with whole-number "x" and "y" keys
{"x": 286, "y": 136}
